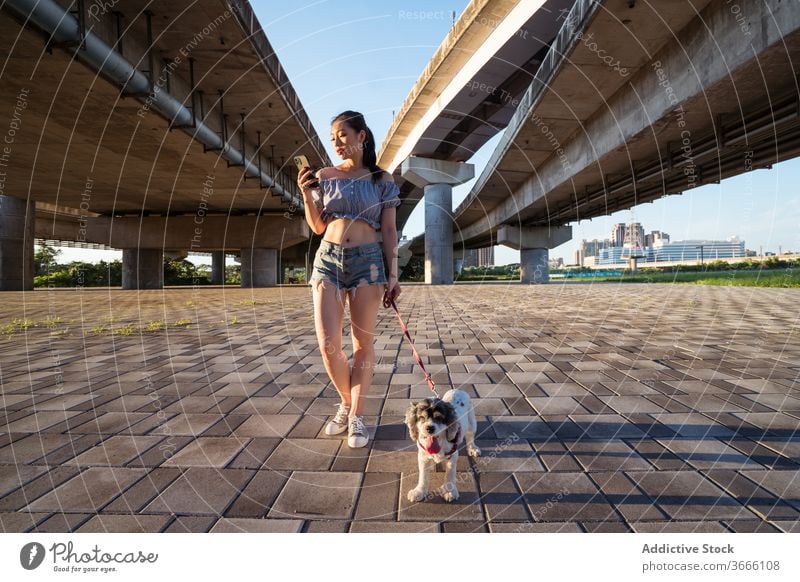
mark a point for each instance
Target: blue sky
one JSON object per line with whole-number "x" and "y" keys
{"x": 366, "y": 56}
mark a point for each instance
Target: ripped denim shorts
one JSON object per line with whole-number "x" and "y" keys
{"x": 347, "y": 267}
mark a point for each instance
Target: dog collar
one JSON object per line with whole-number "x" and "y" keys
{"x": 453, "y": 442}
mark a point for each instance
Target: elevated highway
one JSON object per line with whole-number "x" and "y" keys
{"x": 149, "y": 127}
{"x": 633, "y": 101}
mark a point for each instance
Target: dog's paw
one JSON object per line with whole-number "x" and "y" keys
{"x": 449, "y": 494}
{"x": 473, "y": 451}
{"x": 417, "y": 494}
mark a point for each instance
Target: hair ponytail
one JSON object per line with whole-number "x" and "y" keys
{"x": 355, "y": 120}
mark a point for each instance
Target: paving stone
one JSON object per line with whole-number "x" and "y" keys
{"x": 394, "y": 527}
{"x": 658, "y": 455}
{"x": 303, "y": 454}
{"x": 605, "y": 426}
{"x": 207, "y": 452}
{"x": 267, "y": 425}
{"x": 708, "y": 454}
{"x": 626, "y": 498}
{"x": 563, "y": 496}
{"x": 258, "y": 405}
{"x": 143, "y": 491}
{"x": 27, "y": 448}
{"x": 607, "y": 456}
{"x": 679, "y": 527}
{"x": 245, "y": 525}
{"x": 62, "y": 523}
{"x": 687, "y": 495}
{"x": 110, "y": 422}
{"x": 20, "y": 522}
{"x": 201, "y": 491}
{"x": 693, "y": 425}
{"x": 88, "y": 491}
{"x": 15, "y": 476}
{"x": 259, "y": 495}
{"x": 378, "y": 497}
{"x": 115, "y": 451}
{"x": 783, "y": 484}
{"x": 191, "y": 524}
{"x": 555, "y": 456}
{"x": 501, "y": 498}
{"x": 326, "y": 526}
{"x": 314, "y": 494}
{"x": 253, "y": 455}
{"x": 507, "y": 457}
{"x": 124, "y": 524}
{"x": 186, "y": 424}
{"x": 466, "y": 508}
{"x": 389, "y": 456}
{"x": 534, "y": 527}
{"x": 520, "y": 426}
{"x": 39, "y": 421}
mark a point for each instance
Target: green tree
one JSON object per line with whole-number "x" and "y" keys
{"x": 44, "y": 259}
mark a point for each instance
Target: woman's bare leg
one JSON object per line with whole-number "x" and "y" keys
{"x": 364, "y": 303}
{"x": 328, "y": 315}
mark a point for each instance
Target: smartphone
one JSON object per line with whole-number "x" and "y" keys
{"x": 302, "y": 162}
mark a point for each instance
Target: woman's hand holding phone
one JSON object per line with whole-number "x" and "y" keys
{"x": 306, "y": 180}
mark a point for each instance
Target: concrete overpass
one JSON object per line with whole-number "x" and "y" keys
{"x": 149, "y": 128}
{"x": 634, "y": 101}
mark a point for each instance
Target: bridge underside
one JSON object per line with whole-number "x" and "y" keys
{"x": 711, "y": 103}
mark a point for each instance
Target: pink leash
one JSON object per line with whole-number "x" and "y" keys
{"x": 390, "y": 302}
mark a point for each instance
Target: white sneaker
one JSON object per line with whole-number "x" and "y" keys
{"x": 339, "y": 423}
{"x": 357, "y": 435}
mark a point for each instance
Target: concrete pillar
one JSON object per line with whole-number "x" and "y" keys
{"x": 217, "y": 267}
{"x": 458, "y": 261}
{"x": 17, "y": 222}
{"x": 533, "y": 266}
{"x": 533, "y": 244}
{"x": 438, "y": 234}
{"x": 259, "y": 267}
{"x": 437, "y": 178}
{"x": 142, "y": 269}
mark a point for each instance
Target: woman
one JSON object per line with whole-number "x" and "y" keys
{"x": 352, "y": 201}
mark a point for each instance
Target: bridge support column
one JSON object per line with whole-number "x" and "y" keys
{"x": 217, "y": 267}
{"x": 17, "y": 222}
{"x": 533, "y": 266}
{"x": 437, "y": 178}
{"x": 534, "y": 244}
{"x": 259, "y": 267}
{"x": 458, "y": 262}
{"x": 142, "y": 269}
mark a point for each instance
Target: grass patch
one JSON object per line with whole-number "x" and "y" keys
{"x": 254, "y": 302}
{"x": 756, "y": 278}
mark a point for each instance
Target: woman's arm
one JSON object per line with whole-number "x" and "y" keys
{"x": 389, "y": 234}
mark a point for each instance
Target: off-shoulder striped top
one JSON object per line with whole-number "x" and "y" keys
{"x": 359, "y": 199}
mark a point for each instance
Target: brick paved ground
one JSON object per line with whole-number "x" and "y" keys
{"x": 601, "y": 408}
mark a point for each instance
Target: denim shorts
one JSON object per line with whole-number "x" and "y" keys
{"x": 347, "y": 267}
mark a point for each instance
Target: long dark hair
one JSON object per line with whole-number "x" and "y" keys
{"x": 355, "y": 120}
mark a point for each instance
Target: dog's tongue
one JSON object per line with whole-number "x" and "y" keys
{"x": 431, "y": 445}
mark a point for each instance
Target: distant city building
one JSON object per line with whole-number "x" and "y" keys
{"x": 618, "y": 234}
{"x": 592, "y": 248}
{"x": 686, "y": 250}
{"x": 479, "y": 257}
{"x": 556, "y": 263}
{"x": 655, "y": 238}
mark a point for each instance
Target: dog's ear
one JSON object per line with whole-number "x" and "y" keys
{"x": 411, "y": 420}
{"x": 451, "y": 418}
